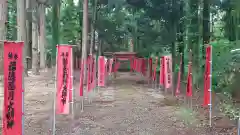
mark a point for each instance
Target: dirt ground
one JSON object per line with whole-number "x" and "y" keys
{"x": 124, "y": 107}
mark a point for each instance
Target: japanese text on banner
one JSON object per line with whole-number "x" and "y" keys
{"x": 168, "y": 71}
{"x": 162, "y": 71}
{"x": 12, "y": 112}
{"x": 63, "y": 78}
{"x": 101, "y": 71}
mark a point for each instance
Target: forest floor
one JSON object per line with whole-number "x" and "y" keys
{"x": 127, "y": 106}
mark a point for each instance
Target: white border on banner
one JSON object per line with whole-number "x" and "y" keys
{"x": 171, "y": 78}
{"x": 54, "y": 97}
{"x": 55, "y": 89}
{"x": 210, "y": 89}
{"x": 23, "y": 87}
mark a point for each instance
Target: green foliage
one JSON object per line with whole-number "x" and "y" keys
{"x": 223, "y": 64}
{"x": 12, "y": 22}
{"x": 69, "y": 26}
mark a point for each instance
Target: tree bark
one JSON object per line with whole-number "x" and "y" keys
{"x": 93, "y": 27}
{"x": 21, "y": 29}
{"x": 80, "y": 19}
{"x": 3, "y": 19}
{"x": 55, "y": 27}
{"x": 85, "y": 37}
{"x": 42, "y": 41}
{"x": 206, "y": 25}
{"x": 29, "y": 33}
{"x": 35, "y": 55}
{"x": 181, "y": 37}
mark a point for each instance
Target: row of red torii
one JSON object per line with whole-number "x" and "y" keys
{"x": 13, "y": 110}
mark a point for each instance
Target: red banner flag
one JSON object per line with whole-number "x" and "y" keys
{"x": 89, "y": 72}
{"x": 110, "y": 65}
{"x": 63, "y": 78}
{"x": 189, "y": 81}
{"x": 93, "y": 75}
{"x": 177, "y": 92}
{"x": 131, "y": 65}
{"x": 150, "y": 68}
{"x": 140, "y": 65}
{"x": 13, "y": 89}
{"x": 207, "y": 78}
{"x": 106, "y": 66}
{"x": 116, "y": 66}
{"x": 168, "y": 71}
{"x": 101, "y": 71}
{"x": 155, "y": 69}
{"x": 144, "y": 67}
{"x": 137, "y": 63}
{"x": 81, "y": 78}
{"x": 134, "y": 64}
{"x": 162, "y": 70}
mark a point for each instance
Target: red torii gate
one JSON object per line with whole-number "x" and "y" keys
{"x": 123, "y": 56}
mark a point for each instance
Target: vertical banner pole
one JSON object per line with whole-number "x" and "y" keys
{"x": 81, "y": 88}
{"x": 89, "y": 65}
{"x": 82, "y": 108}
{"x": 54, "y": 96}
{"x": 148, "y": 73}
{"x": 72, "y": 89}
{"x": 210, "y": 88}
{"x": 82, "y": 72}
{"x": 23, "y": 89}
{"x": 98, "y": 74}
{"x": 155, "y": 87}
{"x": 238, "y": 131}
{"x": 191, "y": 78}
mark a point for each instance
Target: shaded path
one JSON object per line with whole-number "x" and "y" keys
{"x": 122, "y": 108}
{"x": 135, "y": 110}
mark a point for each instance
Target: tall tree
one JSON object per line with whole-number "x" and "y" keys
{"x": 181, "y": 35}
{"x": 85, "y": 36}
{"x": 29, "y": 32}
{"x": 193, "y": 36}
{"x": 21, "y": 28}
{"x": 3, "y": 20}
{"x": 93, "y": 26}
{"x": 206, "y": 25}
{"x": 35, "y": 19}
{"x": 42, "y": 41}
{"x": 55, "y": 28}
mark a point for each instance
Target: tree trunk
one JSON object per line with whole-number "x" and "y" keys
{"x": 181, "y": 37}
{"x": 93, "y": 27}
{"x": 35, "y": 59}
{"x": 55, "y": 27}
{"x": 80, "y": 19}
{"x": 3, "y": 19}
{"x": 29, "y": 33}
{"x": 206, "y": 27}
{"x": 193, "y": 32}
{"x": 85, "y": 37}
{"x": 42, "y": 41}
{"x": 237, "y": 22}
{"x": 21, "y": 29}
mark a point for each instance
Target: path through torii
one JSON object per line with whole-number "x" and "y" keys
{"x": 124, "y": 107}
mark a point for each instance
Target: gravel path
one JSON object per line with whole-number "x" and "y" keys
{"x": 122, "y": 108}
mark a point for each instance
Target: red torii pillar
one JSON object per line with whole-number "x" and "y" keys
{"x": 123, "y": 56}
